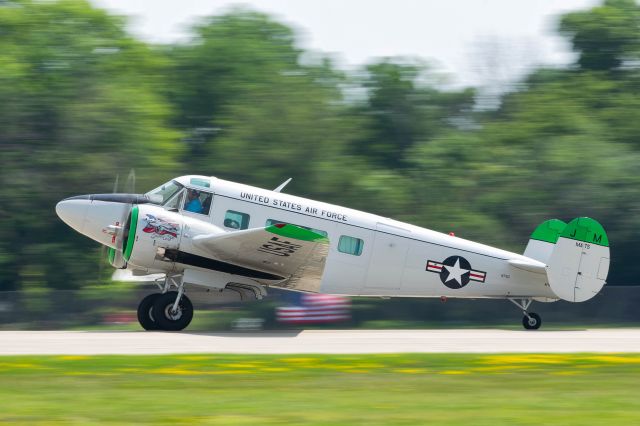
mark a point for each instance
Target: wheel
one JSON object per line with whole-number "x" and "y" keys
{"x": 532, "y": 322}
{"x": 172, "y": 321}
{"x": 145, "y": 315}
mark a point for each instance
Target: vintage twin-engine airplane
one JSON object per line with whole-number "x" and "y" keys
{"x": 222, "y": 235}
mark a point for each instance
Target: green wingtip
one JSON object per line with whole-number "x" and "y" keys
{"x": 549, "y": 231}
{"x": 587, "y": 230}
{"x": 295, "y": 232}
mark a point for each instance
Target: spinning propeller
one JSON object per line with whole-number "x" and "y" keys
{"x": 120, "y": 229}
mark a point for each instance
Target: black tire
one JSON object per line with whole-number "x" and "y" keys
{"x": 162, "y": 312}
{"x": 532, "y": 322}
{"x": 145, "y": 315}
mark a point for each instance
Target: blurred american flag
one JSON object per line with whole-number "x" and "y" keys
{"x": 316, "y": 309}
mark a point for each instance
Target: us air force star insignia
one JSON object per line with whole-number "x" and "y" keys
{"x": 455, "y": 272}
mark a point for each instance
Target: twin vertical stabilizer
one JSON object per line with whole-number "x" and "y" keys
{"x": 576, "y": 254}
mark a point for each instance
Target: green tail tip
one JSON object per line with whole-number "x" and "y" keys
{"x": 587, "y": 230}
{"x": 549, "y": 231}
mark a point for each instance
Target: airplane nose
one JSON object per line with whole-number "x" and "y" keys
{"x": 73, "y": 212}
{"x": 98, "y": 216}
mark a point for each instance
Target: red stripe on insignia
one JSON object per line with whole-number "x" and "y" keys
{"x": 434, "y": 266}
{"x": 477, "y": 276}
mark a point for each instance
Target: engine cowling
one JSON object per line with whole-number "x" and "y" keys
{"x": 153, "y": 232}
{"x": 115, "y": 258}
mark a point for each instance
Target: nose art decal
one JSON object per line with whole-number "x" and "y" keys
{"x": 160, "y": 227}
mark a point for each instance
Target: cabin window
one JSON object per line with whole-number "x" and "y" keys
{"x": 200, "y": 182}
{"x": 236, "y": 220}
{"x": 197, "y": 201}
{"x": 317, "y": 231}
{"x": 350, "y": 245}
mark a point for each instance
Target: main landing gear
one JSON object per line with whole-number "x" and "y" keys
{"x": 169, "y": 310}
{"x": 531, "y": 320}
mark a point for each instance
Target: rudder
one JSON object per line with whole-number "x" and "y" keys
{"x": 578, "y": 265}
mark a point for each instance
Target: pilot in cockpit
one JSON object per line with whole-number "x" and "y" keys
{"x": 193, "y": 203}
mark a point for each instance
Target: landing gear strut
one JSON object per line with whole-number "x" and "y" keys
{"x": 169, "y": 310}
{"x": 531, "y": 320}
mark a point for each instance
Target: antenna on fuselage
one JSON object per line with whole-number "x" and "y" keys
{"x": 282, "y": 185}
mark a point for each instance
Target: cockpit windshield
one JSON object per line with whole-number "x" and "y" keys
{"x": 164, "y": 192}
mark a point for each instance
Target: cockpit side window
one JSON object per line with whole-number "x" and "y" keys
{"x": 175, "y": 201}
{"x": 197, "y": 201}
{"x": 164, "y": 192}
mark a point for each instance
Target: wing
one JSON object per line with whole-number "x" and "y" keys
{"x": 286, "y": 250}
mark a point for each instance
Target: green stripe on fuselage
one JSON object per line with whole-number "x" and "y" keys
{"x": 111, "y": 255}
{"x": 295, "y": 232}
{"x": 132, "y": 233}
{"x": 587, "y": 230}
{"x": 549, "y": 231}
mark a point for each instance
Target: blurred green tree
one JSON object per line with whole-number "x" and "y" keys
{"x": 555, "y": 149}
{"x": 255, "y": 110}
{"x": 605, "y": 36}
{"x": 403, "y": 106}
{"x": 80, "y": 102}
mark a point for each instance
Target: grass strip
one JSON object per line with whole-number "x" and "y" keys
{"x": 390, "y": 389}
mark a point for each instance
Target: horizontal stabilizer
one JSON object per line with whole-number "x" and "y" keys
{"x": 529, "y": 265}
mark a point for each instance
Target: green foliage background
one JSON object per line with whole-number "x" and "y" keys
{"x": 82, "y": 101}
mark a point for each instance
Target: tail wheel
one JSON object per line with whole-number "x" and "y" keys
{"x": 532, "y": 321}
{"x": 145, "y": 314}
{"x": 168, "y": 319}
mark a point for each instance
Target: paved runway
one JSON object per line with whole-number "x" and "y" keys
{"x": 318, "y": 341}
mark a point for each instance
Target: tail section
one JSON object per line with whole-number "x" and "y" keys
{"x": 578, "y": 264}
{"x": 543, "y": 240}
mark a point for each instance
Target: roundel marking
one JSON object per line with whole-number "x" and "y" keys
{"x": 455, "y": 272}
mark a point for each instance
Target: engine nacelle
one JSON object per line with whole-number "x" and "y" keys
{"x": 154, "y": 231}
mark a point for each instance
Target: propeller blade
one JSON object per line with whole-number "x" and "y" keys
{"x": 130, "y": 186}
{"x": 123, "y": 228}
{"x": 103, "y": 255}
